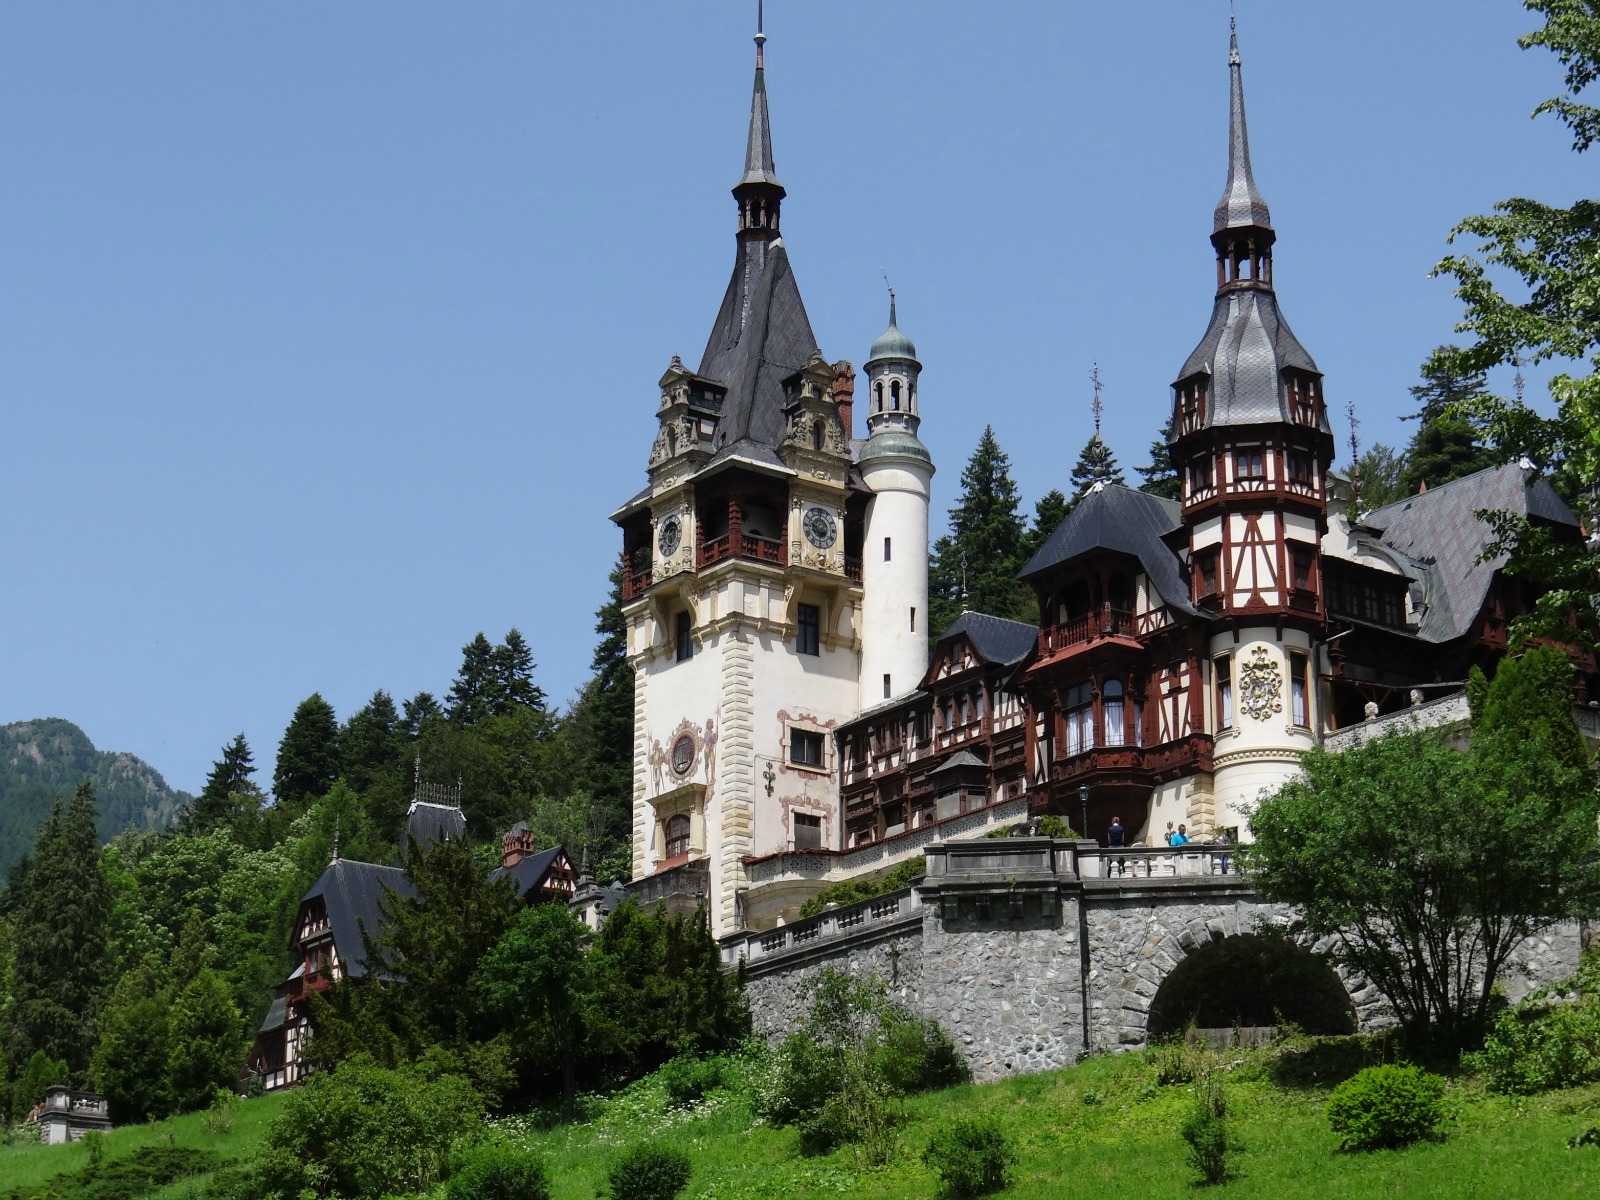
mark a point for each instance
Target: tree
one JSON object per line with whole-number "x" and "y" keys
{"x": 308, "y": 756}
{"x": 1096, "y": 464}
{"x": 1161, "y": 477}
{"x": 1049, "y": 511}
{"x": 1430, "y": 865}
{"x": 531, "y": 984}
{"x": 421, "y": 712}
{"x": 975, "y": 564}
{"x": 62, "y": 921}
{"x": 1554, "y": 253}
{"x": 374, "y": 755}
{"x": 205, "y": 1043}
{"x": 1440, "y": 451}
{"x": 229, "y": 792}
{"x": 599, "y": 726}
{"x": 130, "y": 1059}
{"x": 1375, "y": 481}
{"x": 36, "y": 1077}
{"x": 474, "y": 693}
{"x": 512, "y": 665}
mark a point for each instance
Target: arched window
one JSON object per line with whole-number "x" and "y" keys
{"x": 816, "y": 434}
{"x": 894, "y": 395}
{"x": 677, "y": 836}
{"x": 1080, "y": 719}
{"x": 879, "y": 388}
{"x": 1112, "y": 705}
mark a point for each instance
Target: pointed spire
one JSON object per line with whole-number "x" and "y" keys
{"x": 1241, "y": 205}
{"x": 758, "y": 165}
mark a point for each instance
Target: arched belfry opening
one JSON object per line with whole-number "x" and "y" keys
{"x": 1249, "y": 981}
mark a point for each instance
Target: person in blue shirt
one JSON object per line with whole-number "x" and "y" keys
{"x": 1116, "y": 838}
{"x": 1181, "y": 838}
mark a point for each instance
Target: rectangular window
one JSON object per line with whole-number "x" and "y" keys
{"x": 1300, "y": 689}
{"x": 913, "y": 618}
{"x": 805, "y": 747}
{"x": 1200, "y": 475}
{"x": 1300, "y": 557}
{"x": 806, "y": 640}
{"x": 685, "y": 640}
{"x": 1138, "y": 722}
{"x": 1249, "y": 464}
{"x": 886, "y": 692}
{"x": 1224, "y": 695}
{"x": 1300, "y": 469}
{"x": 1206, "y": 569}
{"x": 807, "y": 832}
{"x": 885, "y": 549}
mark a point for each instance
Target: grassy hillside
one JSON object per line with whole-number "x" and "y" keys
{"x": 40, "y": 760}
{"x": 1103, "y": 1129}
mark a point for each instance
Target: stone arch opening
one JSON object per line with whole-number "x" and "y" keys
{"x": 1251, "y": 980}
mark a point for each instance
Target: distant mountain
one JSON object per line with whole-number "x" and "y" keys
{"x": 40, "y": 760}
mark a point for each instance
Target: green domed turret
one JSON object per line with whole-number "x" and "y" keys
{"x": 892, "y": 343}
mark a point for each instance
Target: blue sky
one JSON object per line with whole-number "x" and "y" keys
{"x": 329, "y": 334}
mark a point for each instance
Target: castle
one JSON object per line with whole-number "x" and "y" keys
{"x": 792, "y": 726}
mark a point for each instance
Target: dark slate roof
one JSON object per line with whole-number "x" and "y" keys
{"x": 530, "y": 872}
{"x": 762, "y": 336}
{"x": 351, "y": 892}
{"x": 1245, "y": 350}
{"x": 996, "y": 639}
{"x": 1438, "y": 528}
{"x": 277, "y": 1015}
{"x": 961, "y": 758}
{"x": 427, "y": 823}
{"x": 758, "y": 164}
{"x": 1114, "y": 517}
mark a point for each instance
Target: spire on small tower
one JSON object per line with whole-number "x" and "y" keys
{"x": 758, "y": 164}
{"x": 1241, "y": 205}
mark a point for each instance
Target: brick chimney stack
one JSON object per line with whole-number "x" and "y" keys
{"x": 844, "y": 395}
{"x": 518, "y": 844}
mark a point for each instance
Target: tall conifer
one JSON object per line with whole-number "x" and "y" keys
{"x": 1161, "y": 477}
{"x": 308, "y": 756}
{"x": 975, "y": 564}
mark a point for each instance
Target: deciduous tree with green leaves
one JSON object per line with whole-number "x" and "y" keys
{"x": 1552, "y": 314}
{"x": 1429, "y": 865}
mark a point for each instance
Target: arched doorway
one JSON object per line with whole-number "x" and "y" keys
{"x": 1251, "y": 980}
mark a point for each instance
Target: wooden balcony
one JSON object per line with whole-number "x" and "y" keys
{"x": 1141, "y": 766}
{"x": 745, "y": 546}
{"x": 1092, "y": 627}
{"x": 635, "y": 584}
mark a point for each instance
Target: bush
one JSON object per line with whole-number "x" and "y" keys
{"x": 1055, "y": 827}
{"x": 917, "y": 1055}
{"x": 219, "y": 1118}
{"x": 363, "y": 1131}
{"x": 1206, "y": 1131}
{"x": 852, "y": 891}
{"x": 1386, "y": 1106}
{"x": 1175, "y": 1060}
{"x": 688, "y": 1079}
{"x": 970, "y": 1157}
{"x": 1529, "y": 1052}
{"x": 650, "y": 1173}
{"x": 127, "y": 1178}
{"x": 1305, "y": 1062}
{"x": 807, "y": 1074}
{"x": 498, "y": 1171}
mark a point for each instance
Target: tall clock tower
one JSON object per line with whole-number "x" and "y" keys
{"x": 742, "y": 584}
{"x": 1253, "y": 446}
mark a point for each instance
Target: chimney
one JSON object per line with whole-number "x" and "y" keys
{"x": 844, "y": 396}
{"x": 517, "y": 845}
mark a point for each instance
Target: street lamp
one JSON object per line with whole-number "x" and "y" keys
{"x": 1083, "y": 809}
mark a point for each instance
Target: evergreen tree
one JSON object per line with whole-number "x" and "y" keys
{"x": 374, "y": 755}
{"x": 1446, "y": 389}
{"x": 130, "y": 1059}
{"x": 38, "y": 1075}
{"x": 205, "y": 1041}
{"x": 421, "y": 712}
{"x": 1096, "y": 464}
{"x": 62, "y": 922}
{"x": 308, "y": 756}
{"x": 600, "y": 725}
{"x": 975, "y": 564}
{"x": 229, "y": 789}
{"x": 474, "y": 694}
{"x": 1049, "y": 511}
{"x": 512, "y": 665}
{"x": 1161, "y": 476}
{"x": 1442, "y": 450}
{"x": 1376, "y": 479}
{"x": 531, "y": 985}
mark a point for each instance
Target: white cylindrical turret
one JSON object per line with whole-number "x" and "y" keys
{"x": 894, "y": 556}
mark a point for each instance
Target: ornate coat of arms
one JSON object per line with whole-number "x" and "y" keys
{"x": 1260, "y": 685}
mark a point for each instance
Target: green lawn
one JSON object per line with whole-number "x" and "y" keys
{"x": 1122, "y": 1142}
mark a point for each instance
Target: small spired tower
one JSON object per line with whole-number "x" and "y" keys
{"x": 898, "y": 469}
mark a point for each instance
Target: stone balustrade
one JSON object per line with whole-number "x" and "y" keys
{"x": 1158, "y": 862}
{"x": 849, "y": 920}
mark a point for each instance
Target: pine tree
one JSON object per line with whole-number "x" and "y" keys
{"x": 229, "y": 788}
{"x": 1444, "y": 387}
{"x": 1096, "y": 464}
{"x": 600, "y": 724}
{"x": 61, "y": 922}
{"x": 421, "y": 711}
{"x": 473, "y": 695}
{"x": 130, "y": 1059}
{"x": 205, "y": 1040}
{"x": 975, "y": 564}
{"x": 1049, "y": 511}
{"x": 511, "y": 664}
{"x": 374, "y": 756}
{"x": 308, "y": 756}
{"x": 1161, "y": 476}
{"x": 1445, "y": 446}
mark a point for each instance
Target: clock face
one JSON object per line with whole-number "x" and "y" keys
{"x": 683, "y": 754}
{"x": 668, "y": 535}
{"x": 820, "y": 527}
